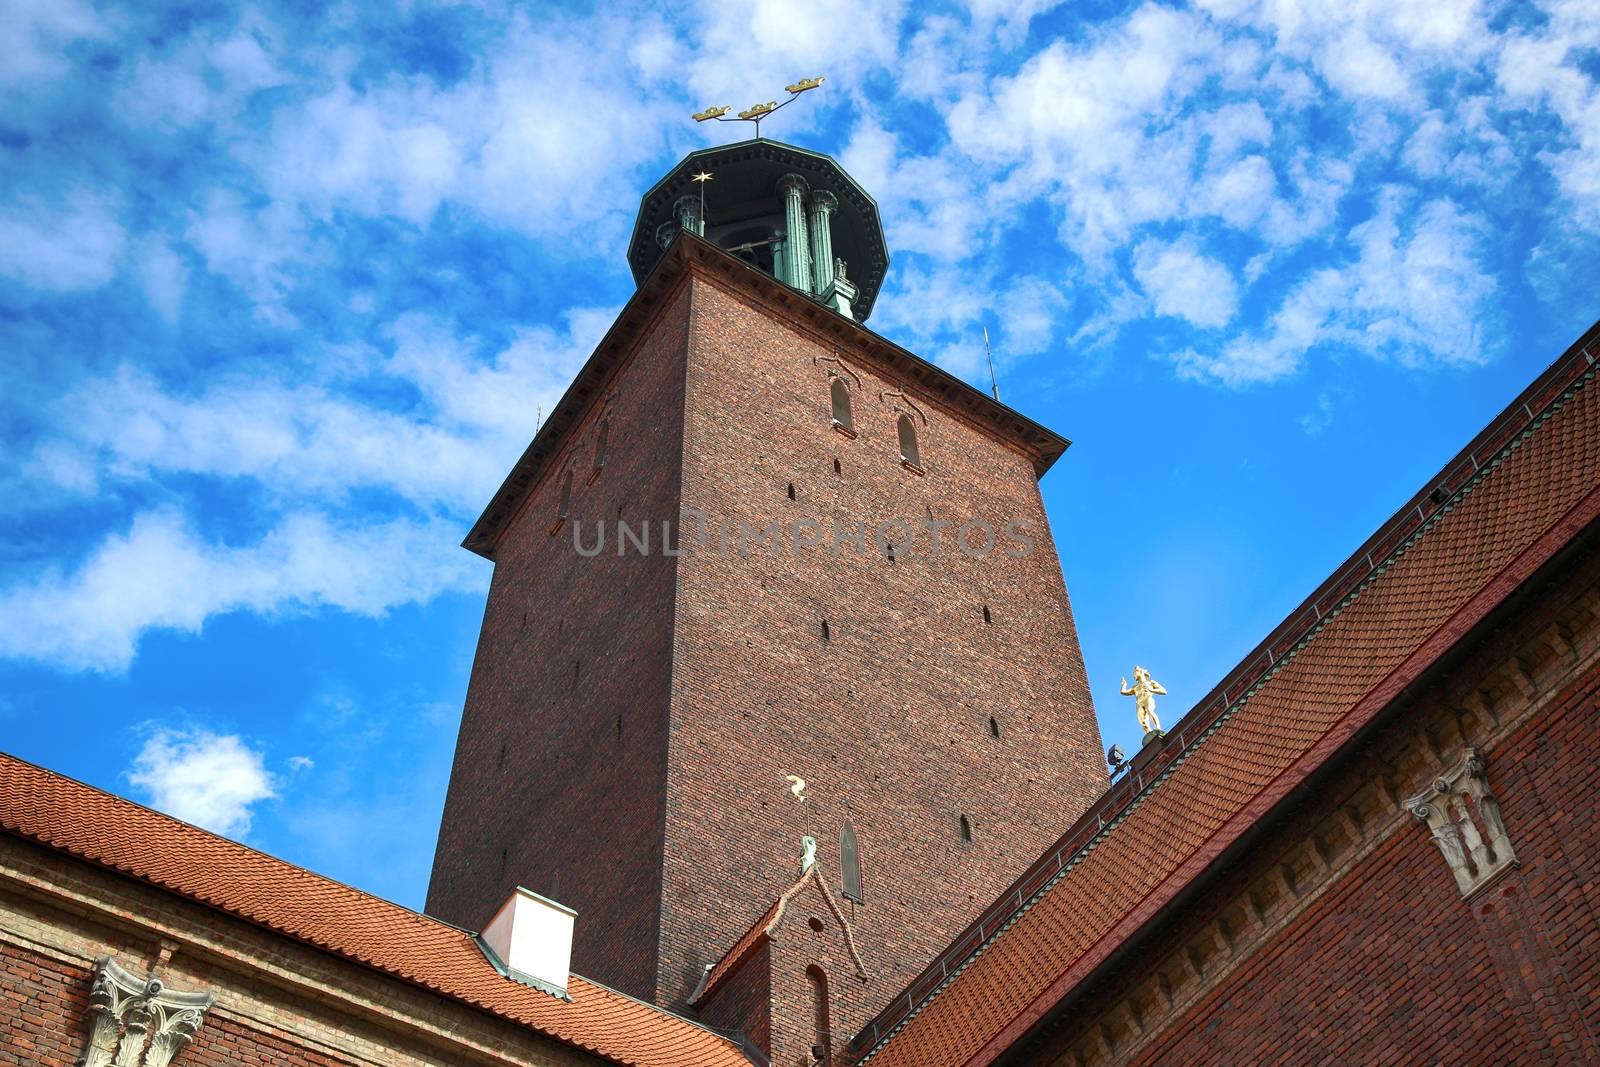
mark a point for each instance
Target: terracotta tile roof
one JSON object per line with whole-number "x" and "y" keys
{"x": 1525, "y": 488}
{"x": 63, "y": 814}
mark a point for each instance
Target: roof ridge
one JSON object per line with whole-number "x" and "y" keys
{"x": 1574, "y": 370}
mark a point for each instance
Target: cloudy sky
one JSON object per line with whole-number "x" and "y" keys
{"x": 283, "y": 287}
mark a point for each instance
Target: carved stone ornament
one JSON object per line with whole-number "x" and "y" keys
{"x": 137, "y": 1022}
{"x": 1464, "y": 816}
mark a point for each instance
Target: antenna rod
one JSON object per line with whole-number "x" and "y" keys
{"x": 994, "y": 384}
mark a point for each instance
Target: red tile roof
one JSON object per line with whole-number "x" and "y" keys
{"x": 63, "y": 814}
{"x": 1526, "y": 487}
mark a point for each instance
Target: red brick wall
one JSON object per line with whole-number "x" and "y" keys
{"x": 560, "y": 757}
{"x": 43, "y": 1003}
{"x": 1393, "y": 963}
{"x": 889, "y": 720}
{"x": 1389, "y": 963}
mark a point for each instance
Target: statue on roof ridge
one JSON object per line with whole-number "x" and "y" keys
{"x": 1144, "y": 690}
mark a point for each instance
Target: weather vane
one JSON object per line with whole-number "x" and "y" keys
{"x": 808, "y": 844}
{"x": 756, "y": 112}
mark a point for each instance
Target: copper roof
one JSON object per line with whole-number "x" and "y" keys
{"x": 74, "y": 818}
{"x": 1522, "y": 490}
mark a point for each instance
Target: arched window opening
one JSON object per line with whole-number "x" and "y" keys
{"x": 836, "y": 468}
{"x": 994, "y": 726}
{"x": 988, "y": 619}
{"x": 850, "y": 863}
{"x": 841, "y": 405}
{"x": 619, "y": 727}
{"x": 602, "y": 444}
{"x": 791, "y": 490}
{"x": 827, "y": 635}
{"x": 966, "y": 828}
{"x": 822, "y": 1029}
{"x": 565, "y": 508}
{"x": 908, "y": 442}
{"x": 888, "y": 550}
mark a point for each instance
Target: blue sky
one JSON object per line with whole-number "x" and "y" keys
{"x": 282, "y": 287}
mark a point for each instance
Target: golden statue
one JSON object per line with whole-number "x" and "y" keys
{"x": 1144, "y": 692}
{"x": 757, "y": 110}
{"x": 803, "y": 84}
{"x": 712, "y": 113}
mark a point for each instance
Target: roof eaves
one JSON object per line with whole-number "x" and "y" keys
{"x": 1568, "y": 373}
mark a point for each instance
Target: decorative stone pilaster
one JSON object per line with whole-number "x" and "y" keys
{"x": 134, "y": 1022}
{"x": 797, "y": 265}
{"x": 1453, "y": 809}
{"x": 686, "y": 209}
{"x": 822, "y": 205}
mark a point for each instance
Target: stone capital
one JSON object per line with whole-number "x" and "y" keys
{"x": 822, "y": 200}
{"x": 793, "y": 185}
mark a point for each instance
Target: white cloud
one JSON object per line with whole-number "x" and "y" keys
{"x": 1416, "y": 293}
{"x": 203, "y": 778}
{"x": 61, "y": 246}
{"x": 160, "y": 575}
{"x": 37, "y": 33}
{"x": 1181, "y": 281}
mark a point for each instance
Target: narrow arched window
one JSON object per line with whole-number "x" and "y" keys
{"x": 822, "y": 1028}
{"x": 841, "y": 405}
{"x": 908, "y": 442}
{"x": 966, "y": 828}
{"x": 566, "y": 495}
{"x": 988, "y": 619}
{"x": 850, "y": 863}
{"x": 602, "y": 443}
{"x": 994, "y": 726}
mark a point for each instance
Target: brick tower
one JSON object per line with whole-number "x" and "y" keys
{"x": 639, "y": 696}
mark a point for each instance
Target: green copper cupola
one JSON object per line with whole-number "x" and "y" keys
{"x": 789, "y": 212}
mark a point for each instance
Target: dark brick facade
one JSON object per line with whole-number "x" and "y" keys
{"x": 672, "y": 839}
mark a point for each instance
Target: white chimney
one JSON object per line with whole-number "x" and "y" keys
{"x": 532, "y": 935}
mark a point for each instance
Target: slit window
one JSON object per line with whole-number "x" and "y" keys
{"x": 909, "y": 452}
{"x": 565, "y": 508}
{"x": 988, "y": 620}
{"x": 966, "y": 828}
{"x": 850, "y": 863}
{"x": 791, "y": 490}
{"x": 602, "y": 444}
{"x": 841, "y": 405}
{"x": 994, "y": 726}
{"x": 827, "y": 635}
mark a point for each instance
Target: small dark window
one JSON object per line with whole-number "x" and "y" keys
{"x": 850, "y": 863}
{"x": 836, "y": 468}
{"x": 566, "y": 496}
{"x": 502, "y": 861}
{"x": 987, "y": 618}
{"x": 888, "y": 550}
{"x": 791, "y": 490}
{"x": 908, "y": 442}
{"x": 841, "y": 405}
{"x": 815, "y": 924}
{"x": 966, "y": 828}
{"x": 577, "y": 670}
{"x": 601, "y": 444}
{"x": 994, "y": 726}
{"x": 619, "y": 727}
{"x": 826, "y": 634}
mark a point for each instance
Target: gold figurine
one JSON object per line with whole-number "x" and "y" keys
{"x": 1144, "y": 692}
{"x": 712, "y": 113}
